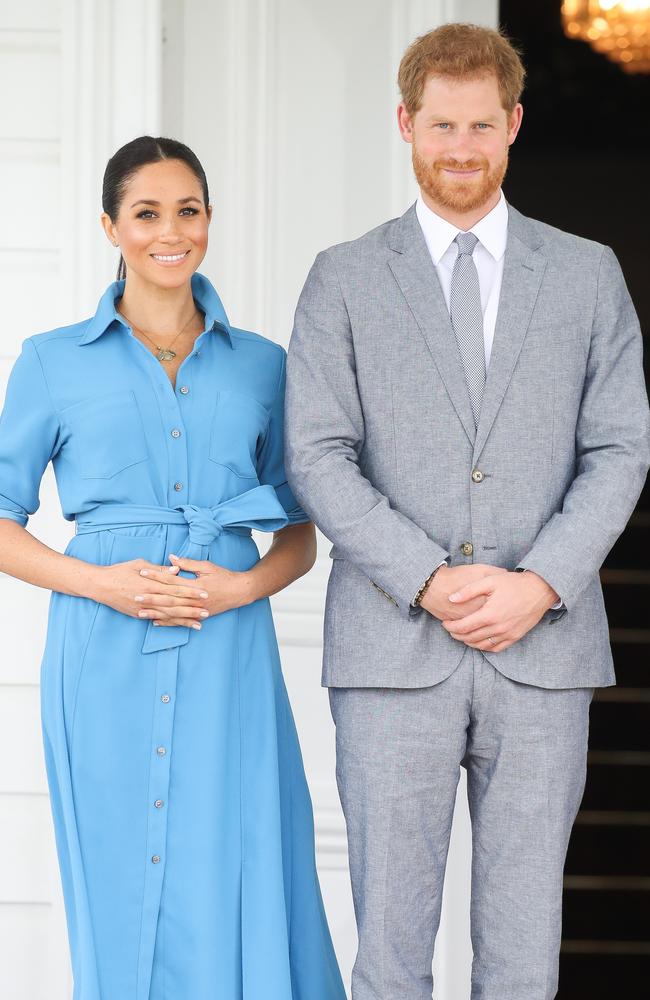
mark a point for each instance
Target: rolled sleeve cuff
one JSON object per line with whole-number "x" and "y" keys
{"x": 295, "y": 513}
{"x": 13, "y": 515}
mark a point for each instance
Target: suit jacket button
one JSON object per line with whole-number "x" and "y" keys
{"x": 477, "y": 476}
{"x": 467, "y": 548}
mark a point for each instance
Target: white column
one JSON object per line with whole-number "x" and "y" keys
{"x": 112, "y": 92}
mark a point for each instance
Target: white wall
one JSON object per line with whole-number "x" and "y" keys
{"x": 31, "y": 915}
{"x": 290, "y": 105}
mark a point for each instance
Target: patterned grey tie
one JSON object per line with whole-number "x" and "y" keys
{"x": 467, "y": 319}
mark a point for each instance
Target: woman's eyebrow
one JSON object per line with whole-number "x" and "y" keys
{"x": 150, "y": 201}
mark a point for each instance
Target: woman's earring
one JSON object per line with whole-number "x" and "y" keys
{"x": 115, "y": 244}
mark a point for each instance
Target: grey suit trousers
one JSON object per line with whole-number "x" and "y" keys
{"x": 399, "y": 753}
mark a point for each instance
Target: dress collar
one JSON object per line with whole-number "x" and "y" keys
{"x": 491, "y": 230}
{"x": 204, "y": 293}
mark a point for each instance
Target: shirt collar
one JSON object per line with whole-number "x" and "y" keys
{"x": 204, "y": 294}
{"x": 491, "y": 230}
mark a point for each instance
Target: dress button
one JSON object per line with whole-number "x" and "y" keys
{"x": 178, "y": 487}
{"x": 156, "y": 859}
{"x": 161, "y": 751}
{"x": 176, "y": 433}
{"x": 478, "y": 476}
{"x": 159, "y": 803}
{"x": 165, "y": 698}
{"x": 184, "y": 389}
{"x": 467, "y": 548}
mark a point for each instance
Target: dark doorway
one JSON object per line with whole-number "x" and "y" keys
{"x": 581, "y": 163}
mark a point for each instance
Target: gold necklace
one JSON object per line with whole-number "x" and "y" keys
{"x": 164, "y": 353}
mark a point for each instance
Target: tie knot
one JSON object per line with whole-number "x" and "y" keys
{"x": 466, "y": 242}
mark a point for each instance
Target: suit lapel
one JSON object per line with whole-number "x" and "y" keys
{"x": 523, "y": 270}
{"x": 416, "y": 276}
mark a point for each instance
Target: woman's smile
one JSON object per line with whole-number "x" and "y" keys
{"x": 169, "y": 259}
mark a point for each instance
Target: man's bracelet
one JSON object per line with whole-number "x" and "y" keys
{"x": 415, "y": 603}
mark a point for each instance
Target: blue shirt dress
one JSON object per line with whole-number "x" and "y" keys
{"x": 182, "y": 816}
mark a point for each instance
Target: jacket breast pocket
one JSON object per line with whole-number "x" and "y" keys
{"x": 105, "y": 434}
{"x": 238, "y": 424}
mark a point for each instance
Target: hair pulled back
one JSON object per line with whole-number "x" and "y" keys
{"x": 136, "y": 154}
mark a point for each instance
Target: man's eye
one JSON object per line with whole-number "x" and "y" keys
{"x": 444, "y": 125}
{"x": 482, "y": 125}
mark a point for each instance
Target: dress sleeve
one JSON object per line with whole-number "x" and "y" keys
{"x": 270, "y": 456}
{"x": 29, "y": 436}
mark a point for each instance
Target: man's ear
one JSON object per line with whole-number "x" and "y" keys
{"x": 514, "y": 123}
{"x": 404, "y": 123}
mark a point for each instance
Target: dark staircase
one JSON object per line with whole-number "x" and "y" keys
{"x": 606, "y": 923}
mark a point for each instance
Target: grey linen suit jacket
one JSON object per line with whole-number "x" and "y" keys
{"x": 381, "y": 446}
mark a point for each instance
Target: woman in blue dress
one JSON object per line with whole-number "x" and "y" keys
{"x": 182, "y": 817}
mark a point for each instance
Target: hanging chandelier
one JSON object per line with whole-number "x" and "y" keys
{"x": 620, "y": 29}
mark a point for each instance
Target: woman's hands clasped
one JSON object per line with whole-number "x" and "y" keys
{"x": 142, "y": 589}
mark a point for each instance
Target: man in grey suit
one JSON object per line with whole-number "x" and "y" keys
{"x": 467, "y": 423}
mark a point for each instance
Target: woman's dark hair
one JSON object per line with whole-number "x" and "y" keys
{"x": 138, "y": 153}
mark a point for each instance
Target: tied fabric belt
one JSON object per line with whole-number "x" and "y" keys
{"x": 257, "y": 509}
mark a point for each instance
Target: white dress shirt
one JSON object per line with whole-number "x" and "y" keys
{"x": 492, "y": 234}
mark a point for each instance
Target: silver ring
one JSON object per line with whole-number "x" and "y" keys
{"x": 491, "y": 640}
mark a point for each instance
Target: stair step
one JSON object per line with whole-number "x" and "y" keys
{"x": 623, "y": 789}
{"x": 639, "y": 883}
{"x": 617, "y": 780}
{"x": 605, "y": 947}
{"x": 623, "y": 694}
{"x": 603, "y": 975}
{"x": 613, "y": 817}
{"x": 619, "y": 758}
{"x": 608, "y": 850}
{"x": 625, "y": 577}
{"x": 602, "y": 910}
{"x": 631, "y": 636}
{"x": 618, "y": 724}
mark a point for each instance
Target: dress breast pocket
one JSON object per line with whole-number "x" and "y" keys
{"x": 238, "y": 423}
{"x": 105, "y": 434}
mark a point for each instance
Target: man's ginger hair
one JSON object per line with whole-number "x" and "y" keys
{"x": 461, "y": 52}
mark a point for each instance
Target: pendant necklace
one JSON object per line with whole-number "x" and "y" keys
{"x": 164, "y": 353}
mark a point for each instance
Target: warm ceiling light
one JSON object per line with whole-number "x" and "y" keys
{"x": 620, "y": 29}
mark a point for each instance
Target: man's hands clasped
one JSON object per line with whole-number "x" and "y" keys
{"x": 486, "y": 607}
{"x": 144, "y": 590}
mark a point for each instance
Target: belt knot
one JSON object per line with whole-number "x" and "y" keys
{"x": 203, "y": 526}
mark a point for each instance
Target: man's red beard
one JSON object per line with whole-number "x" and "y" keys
{"x": 454, "y": 192}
